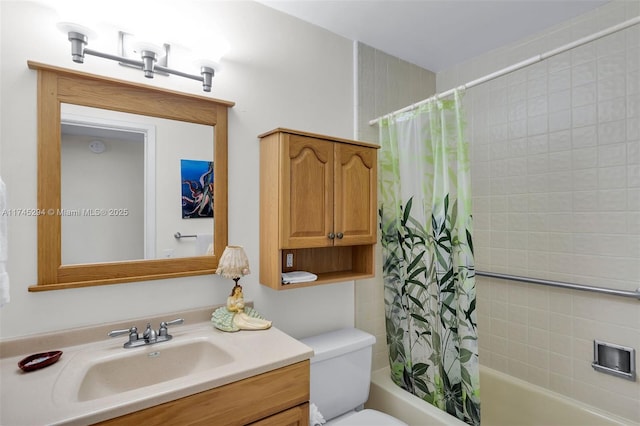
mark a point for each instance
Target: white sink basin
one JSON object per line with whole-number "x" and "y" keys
{"x": 109, "y": 371}
{"x": 148, "y": 366}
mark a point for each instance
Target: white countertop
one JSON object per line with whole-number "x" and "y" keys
{"x": 40, "y": 397}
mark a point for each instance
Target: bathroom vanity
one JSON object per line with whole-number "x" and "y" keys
{"x": 202, "y": 376}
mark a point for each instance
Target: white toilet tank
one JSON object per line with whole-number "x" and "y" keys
{"x": 340, "y": 370}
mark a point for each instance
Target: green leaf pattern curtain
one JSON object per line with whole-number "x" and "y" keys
{"x": 427, "y": 249}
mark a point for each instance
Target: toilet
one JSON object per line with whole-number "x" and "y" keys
{"x": 340, "y": 378}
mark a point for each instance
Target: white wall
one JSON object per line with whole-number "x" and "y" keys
{"x": 555, "y": 166}
{"x": 280, "y": 72}
{"x": 113, "y": 179}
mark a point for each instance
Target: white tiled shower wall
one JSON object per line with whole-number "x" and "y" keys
{"x": 556, "y": 183}
{"x": 573, "y": 124}
{"x": 556, "y": 166}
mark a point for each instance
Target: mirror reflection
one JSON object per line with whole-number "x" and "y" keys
{"x": 130, "y": 183}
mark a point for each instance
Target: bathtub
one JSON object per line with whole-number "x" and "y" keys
{"x": 505, "y": 401}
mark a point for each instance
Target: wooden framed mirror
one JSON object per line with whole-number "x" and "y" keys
{"x": 58, "y": 86}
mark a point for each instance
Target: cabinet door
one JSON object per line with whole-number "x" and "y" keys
{"x": 265, "y": 396}
{"x": 307, "y": 192}
{"x": 355, "y": 198}
{"x": 296, "y": 416}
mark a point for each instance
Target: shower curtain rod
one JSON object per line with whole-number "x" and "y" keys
{"x": 519, "y": 65}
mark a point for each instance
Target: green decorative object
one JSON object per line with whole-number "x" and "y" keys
{"x": 428, "y": 263}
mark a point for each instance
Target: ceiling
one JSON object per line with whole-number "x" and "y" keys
{"x": 435, "y": 34}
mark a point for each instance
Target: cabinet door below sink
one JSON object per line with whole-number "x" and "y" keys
{"x": 240, "y": 403}
{"x": 296, "y": 416}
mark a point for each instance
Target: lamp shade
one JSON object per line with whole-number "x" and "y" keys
{"x": 233, "y": 263}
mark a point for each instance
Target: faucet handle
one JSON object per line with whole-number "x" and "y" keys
{"x": 165, "y": 324}
{"x": 132, "y": 332}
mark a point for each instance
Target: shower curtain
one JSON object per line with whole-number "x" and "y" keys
{"x": 427, "y": 249}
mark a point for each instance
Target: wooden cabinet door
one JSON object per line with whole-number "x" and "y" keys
{"x": 248, "y": 401}
{"x": 311, "y": 187}
{"x": 355, "y": 198}
{"x": 307, "y": 192}
{"x": 296, "y": 416}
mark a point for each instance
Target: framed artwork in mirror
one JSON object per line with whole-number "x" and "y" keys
{"x": 197, "y": 179}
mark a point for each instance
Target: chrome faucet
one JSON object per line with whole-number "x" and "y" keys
{"x": 149, "y": 337}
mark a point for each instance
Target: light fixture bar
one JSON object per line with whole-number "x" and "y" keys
{"x": 128, "y": 61}
{"x": 147, "y": 63}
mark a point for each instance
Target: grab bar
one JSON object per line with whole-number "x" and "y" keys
{"x": 561, "y": 284}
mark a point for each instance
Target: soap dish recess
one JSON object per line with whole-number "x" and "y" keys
{"x": 613, "y": 359}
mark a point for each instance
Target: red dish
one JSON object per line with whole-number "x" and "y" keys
{"x": 38, "y": 361}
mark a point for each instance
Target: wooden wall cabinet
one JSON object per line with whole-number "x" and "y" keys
{"x": 318, "y": 207}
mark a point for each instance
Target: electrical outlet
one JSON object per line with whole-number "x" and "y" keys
{"x": 289, "y": 260}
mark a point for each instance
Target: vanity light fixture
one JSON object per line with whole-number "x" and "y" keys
{"x": 149, "y": 54}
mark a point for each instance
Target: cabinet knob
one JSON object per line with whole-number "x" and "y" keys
{"x": 331, "y": 235}
{"x": 340, "y": 235}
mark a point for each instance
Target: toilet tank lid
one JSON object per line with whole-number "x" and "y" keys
{"x": 338, "y": 342}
